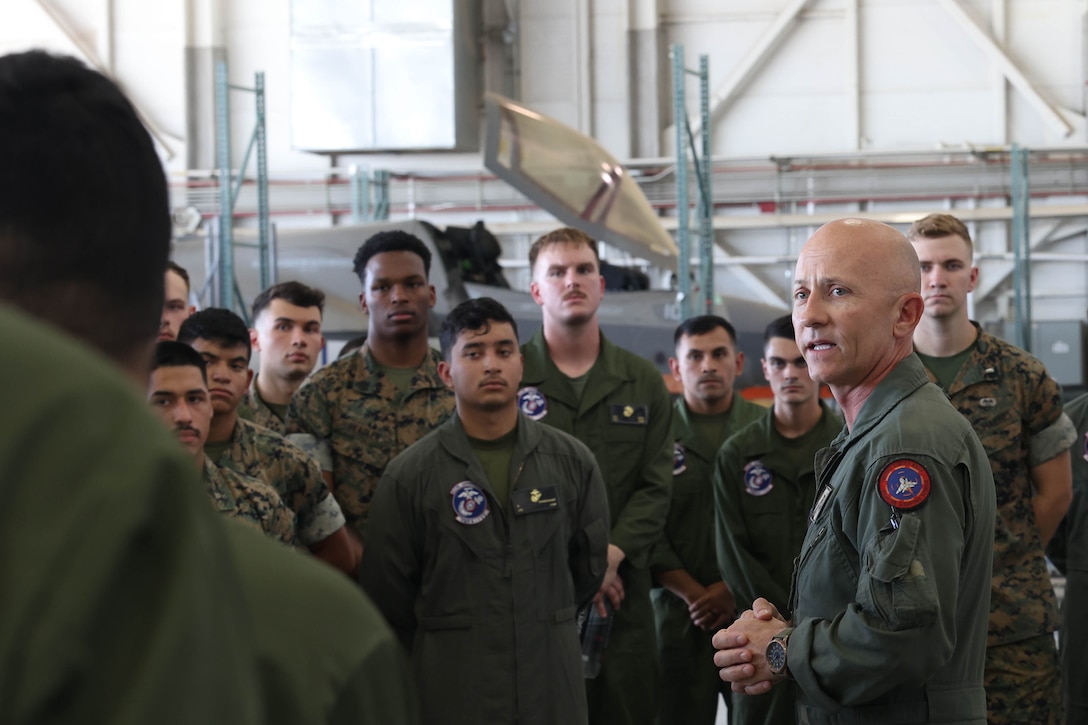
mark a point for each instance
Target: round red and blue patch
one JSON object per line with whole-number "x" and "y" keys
{"x": 532, "y": 403}
{"x": 679, "y": 459}
{"x": 904, "y": 484}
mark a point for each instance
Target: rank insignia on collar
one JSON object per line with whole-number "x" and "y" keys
{"x": 904, "y": 484}
{"x": 679, "y": 459}
{"x": 469, "y": 503}
{"x": 758, "y": 481}
{"x": 532, "y": 403}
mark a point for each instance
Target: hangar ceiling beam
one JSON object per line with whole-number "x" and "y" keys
{"x": 1053, "y": 115}
{"x": 752, "y": 61}
{"x": 95, "y": 61}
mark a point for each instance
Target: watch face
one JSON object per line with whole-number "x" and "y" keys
{"x": 776, "y": 657}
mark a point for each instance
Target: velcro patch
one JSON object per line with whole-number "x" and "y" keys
{"x": 629, "y": 414}
{"x": 904, "y": 484}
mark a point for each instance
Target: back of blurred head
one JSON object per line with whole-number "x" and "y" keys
{"x": 84, "y": 217}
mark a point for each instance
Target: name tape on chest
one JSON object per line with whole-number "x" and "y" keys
{"x": 532, "y": 403}
{"x": 904, "y": 484}
{"x": 627, "y": 414}
{"x": 469, "y": 503}
{"x": 758, "y": 481}
{"x": 679, "y": 459}
{"x": 534, "y": 500}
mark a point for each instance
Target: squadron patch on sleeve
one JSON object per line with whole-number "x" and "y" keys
{"x": 532, "y": 403}
{"x": 469, "y": 503}
{"x": 679, "y": 459}
{"x": 758, "y": 481}
{"x": 904, "y": 484}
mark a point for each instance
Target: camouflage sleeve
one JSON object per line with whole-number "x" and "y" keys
{"x": 317, "y": 449}
{"x": 1051, "y": 441}
{"x": 309, "y": 413}
{"x": 319, "y": 515}
{"x": 1043, "y": 406}
{"x": 259, "y": 503}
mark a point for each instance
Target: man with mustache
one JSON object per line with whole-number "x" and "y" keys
{"x": 222, "y": 340}
{"x": 764, "y": 483}
{"x": 486, "y": 536}
{"x": 617, "y": 404}
{"x": 691, "y": 601}
{"x": 891, "y": 587}
{"x": 367, "y": 407}
{"x": 287, "y": 333}
{"x": 178, "y": 394}
{"x": 1016, "y": 409}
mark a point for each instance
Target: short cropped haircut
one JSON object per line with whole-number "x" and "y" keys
{"x": 781, "y": 327}
{"x": 171, "y": 354}
{"x": 172, "y": 266}
{"x": 936, "y": 226}
{"x": 84, "y": 212}
{"x": 217, "y": 325}
{"x": 472, "y": 315}
{"x": 293, "y": 292}
{"x": 392, "y": 240}
{"x": 563, "y": 235}
{"x": 701, "y": 325}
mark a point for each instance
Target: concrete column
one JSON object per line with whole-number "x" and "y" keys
{"x": 205, "y": 45}
{"x": 649, "y": 73}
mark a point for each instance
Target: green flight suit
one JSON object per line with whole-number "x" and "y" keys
{"x": 891, "y": 604}
{"x": 1069, "y": 552}
{"x": 485, "y": 596}
{"x": 356, "y": 412}
{"x": 764, "y": 484}
{"x": 690, "y": 684}
{"x": 117, "y": 602}
{"x": 625, "y": 418}
{"x": 322, "y": 650}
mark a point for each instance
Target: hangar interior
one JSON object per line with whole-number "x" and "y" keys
{"x": 816, "y": 109}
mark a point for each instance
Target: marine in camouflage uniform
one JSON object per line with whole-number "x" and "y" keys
{"x": 255, "y": 410}
{"x": 1015, "y": 408}
{"x": 249, "y": 500}
{"x": 689, "y": 680}
{"x": 1069, "y": 552}
{"x": 361, "y": 422}
{"x": 257, "y": 452}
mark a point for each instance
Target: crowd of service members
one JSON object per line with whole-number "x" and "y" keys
{"x": 879, "y": 560}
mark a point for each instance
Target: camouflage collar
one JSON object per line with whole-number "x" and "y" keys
{"x": 369, "y": 377}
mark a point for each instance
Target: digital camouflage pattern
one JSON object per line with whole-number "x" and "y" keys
{"x": 1008, "y": 397}
{"x": 352, "y": 408}
{"x": 249, "y": 500}
{"x": 260, "y": 453}
{"x": 255, "y": 410}
{"x": 1022, "y": 685}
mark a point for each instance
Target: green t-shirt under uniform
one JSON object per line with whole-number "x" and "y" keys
{"x": 495, "y": 458}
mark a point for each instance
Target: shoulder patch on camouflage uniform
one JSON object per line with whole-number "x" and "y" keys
{"x": 904, "y": 484}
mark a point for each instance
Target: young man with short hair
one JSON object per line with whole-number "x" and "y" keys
{"x": 178, "y": 394}
{"x": 1015, "y": 408}
{"x": 366, "y": 408}
{"x": 287, "y": 333}
{"x": 175, "y": 306}
{"x": 486, "y": 537}
{"x": 691, "y": 600}
{"x": 764, "y": 483}
{"x": 617, "y": 404}
{"x": 222, "y": 340}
